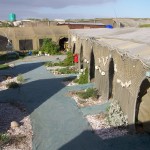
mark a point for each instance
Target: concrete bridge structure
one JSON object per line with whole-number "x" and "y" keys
{"x": 118, "y": 61}
{"x": 30, "y": 38}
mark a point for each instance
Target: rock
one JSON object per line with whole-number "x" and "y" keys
{"x": 12, "y": 65}
{"x": 14, "y": 124}
{"x": 8, "y": 78}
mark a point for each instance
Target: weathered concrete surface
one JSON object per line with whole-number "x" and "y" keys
{"x": 33, "y": 33}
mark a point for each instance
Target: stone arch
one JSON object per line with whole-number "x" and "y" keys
{"x": 3, "y": 43}
{"x": 111, "y": 77}
{"x": 142, "y": 111}
{"x": 92, "y": 66}
{"x": 63, "y": 42}
{"x": 81, "y": 57}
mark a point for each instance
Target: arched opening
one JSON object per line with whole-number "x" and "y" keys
{"x": 92, "y": 67}
{"x": 142, "y": 111}
{"x": 63, "y": 43}
{"x": 81, "y": 57}
{"x": 3, "y": 43}
{"x": 111, "y": 77}
{"x": 74, "y": 48}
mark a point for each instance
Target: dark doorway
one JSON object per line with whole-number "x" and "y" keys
{"x": 25, "y": 44}
{"x": 74, "y": 48}
{"x": 81, "y": 57}
{"x": 92, "y": 67}
{"x": 3, "y": 43}
{"x": 143, "y": 96}
{"x": 111, "y": 77}
{"x": 41, "y": 42}
{"x": 63, "y": 43}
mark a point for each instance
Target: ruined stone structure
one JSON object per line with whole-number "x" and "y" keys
{"x": 119, "y": 62}
{"x": 30, "y": 38}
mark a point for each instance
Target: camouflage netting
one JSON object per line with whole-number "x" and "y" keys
{"x": 122, "y": 62}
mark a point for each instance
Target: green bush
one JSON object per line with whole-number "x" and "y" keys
{"x": 115, "y": 116}
{"x": 35, "y": 52}
{"x": 12, "y": 85}
{"x": 69, "y": 60}
{"x": 83, "y": 78}
{"x": 90, "y": 92}
{"x": 20, "y": 78}
{"x": 4, "y": 66}
{"x": 4, "y": 138}
{"x": 50, "y": 47}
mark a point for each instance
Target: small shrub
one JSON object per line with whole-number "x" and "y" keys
{"x": 4, "y": 66}
{"x": 50, "y": 47}
{"x": 35, "y": 52}
{"x": 20, "y": 78}
{"x": 12, "y": 85}
{"x": 69, "y": 60}
{"x": 90, "y": 92}
{"x": 4, "y": 138}
{"x": 83, "y": 77}
{"x": 115, "y": 116}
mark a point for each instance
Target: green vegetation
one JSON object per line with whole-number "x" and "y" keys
{"x": 52, "y": 64}
{"x": 3, "y": 57}
{"x": 50, "y": 47}
{"x": 115, "y": 116}
{"x": 20, "y": 78}
{"x": 4, "y": 66}
{"x": 67, "y": 70}
{"x": 4, "y": 138}
{"x": 35, "y": 52}
{"x": 9, "y": 139}
{"x": 66, "y": 62}
{"x": 83, "y": 77}
{"x": 6, "y": 24}
{"x": 144, "y": 25}
{"x": 12, "y": 85}
{"x": 90, "y": 92}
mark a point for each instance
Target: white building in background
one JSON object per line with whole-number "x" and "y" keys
{"x": 60, "y": 21}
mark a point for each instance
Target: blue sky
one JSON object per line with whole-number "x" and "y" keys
{"x": 73, "y": 9}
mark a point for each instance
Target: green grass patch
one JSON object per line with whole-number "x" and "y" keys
{"x": 67, "y": 70}
{"x": 68, "y": 61}
{"x": 90, "y": 92}
{"x": 4, "y": 66}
